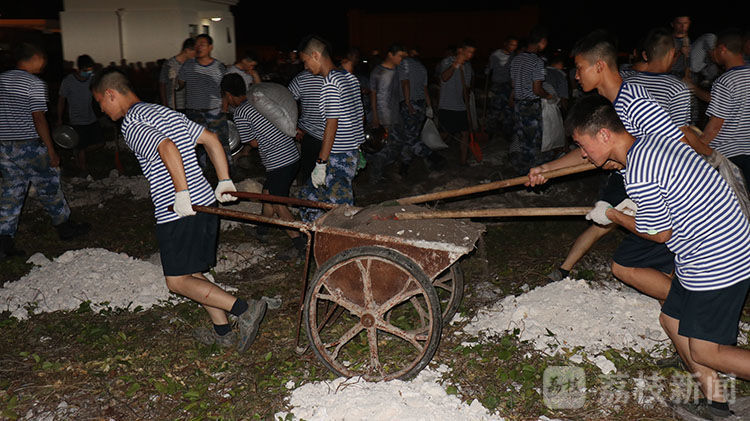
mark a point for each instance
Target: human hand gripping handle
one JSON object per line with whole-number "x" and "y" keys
{"x": 599, "y": 213}
{"x": 628, "y": 207}
{"x": 318, "y": 175}
{"x": 223, "y": 189}
{"x": 182, "y": 205}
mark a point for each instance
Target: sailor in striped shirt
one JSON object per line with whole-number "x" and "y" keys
{"x": 305, "y": 88}
{"x": 341, "y": 106}
{"x": 278, "y": 153}
{"x": 164, "y": 142}
{"x": 682, "y": 202}
{"x": 728, "y": 128}
{"x": 27, "y": 154}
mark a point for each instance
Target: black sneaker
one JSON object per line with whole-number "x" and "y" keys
{"x": 71, "y": 229}
{"x": 248, "y": 324}
{"x": 672, "y": 361}
{"x": 703, "y": 410}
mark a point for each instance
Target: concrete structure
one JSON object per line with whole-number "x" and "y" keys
{"x": 144, "y": 30}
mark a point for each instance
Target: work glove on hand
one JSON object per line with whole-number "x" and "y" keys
{"x": 182, "y": 205}
{"x": 428, "y": 113}
{"x": 223, "y": 189}
{"x": 318, "y": 175}
{"x": 628, "y": 207}
{"x": 599, "y": 213}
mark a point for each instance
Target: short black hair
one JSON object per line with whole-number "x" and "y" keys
{"x": 590, "y": 113}
{"x": 111, "y": 78}
{"x": 597, "y": 45}
{"x": 206, "y": 37}
{"x": 732, "y": 39}
{"x": 394, "y": 49}
{"x": 468, "y": 42}
{"x": 658, "y": 42}
{"x": 249, "y": 55}
{"x": 312, "y": 43}
{"x": 233, "y": 84}
{"x": 24, "y": 51}
{"x": 537, "y": 34}
{"x": 84, "y": 62}
{"x": 188, "y": 44}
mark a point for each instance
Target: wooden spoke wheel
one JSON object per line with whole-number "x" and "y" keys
{"x": 449, "y": 287}
{"x": 372, "y": 312}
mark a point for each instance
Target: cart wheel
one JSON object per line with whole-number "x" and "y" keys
{"x": 450, "y": 290}
{"x": 369, "y": 283}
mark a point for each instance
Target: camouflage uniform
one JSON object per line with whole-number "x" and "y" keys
{"x": 413, "y": 145}
{"x": 23, "y": 162}
{"x": 338, "y": 187}
{"x": 500, "y": 109}
{"x": 216, "y": 123}
{"x": 525, "y": 150}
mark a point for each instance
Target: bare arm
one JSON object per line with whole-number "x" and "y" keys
{"x": 406, "y": 90}
{"x": 427, "y": 96}
{"x": 628, "y": 222}
{"x": 60, "y": 109}
{"x": 691, "y": 138}
{"x": 373, "y": 108}
{"x": 172, "y": 159}
{"x": 329, "y": 135}
{"x": 539, "y": 90}
{"x": 570, "y": 159}
{"x": 42, "y": 128}
{"x": 712, "y": 129}
{"x": 448, "y": 73}
{"x": 216, "y": 154}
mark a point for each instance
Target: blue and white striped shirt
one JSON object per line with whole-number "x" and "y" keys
{"x": 500, "y": 66}
{"x": 21, "y": 94}
{"x": 340, "y": 99}
{"x": 305, "y": 88}
{"x": 730, "y": 100}
{"x": 78, "y": 95}
{"x": 669, "y": 92}
{"x": 525, "y": 69}
{"x": 144, "y": 127}
{"x": 452, "y": 91}
{"x": 276, "y": 149}
{"x": 202, "y": 84}
{"x": 412, "y": 70}
{"x": 385, "y": 84}
{"x": 641, "y": 114}
{"x": 676, "y": 189}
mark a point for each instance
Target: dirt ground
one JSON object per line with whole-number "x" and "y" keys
{"x": 120, "y": 364}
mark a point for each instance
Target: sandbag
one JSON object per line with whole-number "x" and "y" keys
{"x": 732, "y": 174}
{"x": 553, "y": 133}
{"x": 431, "y": 136}
{"x": 276, "y": 103}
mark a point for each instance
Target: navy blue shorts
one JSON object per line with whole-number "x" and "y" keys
{"x": 279, "y": 181}
{"x": 188, "y": 245}
{"x": 708, "y": 315}
{"x": 453, "y": 121}
{"x": 637, "y": 252}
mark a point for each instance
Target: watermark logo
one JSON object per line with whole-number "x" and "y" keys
{"x": 564, "y": 387}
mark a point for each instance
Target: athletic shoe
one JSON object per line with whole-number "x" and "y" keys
{"x": 71, "y": 229}
{"x": 704, "y": 411}
{"x": 249, "y": 322}
{"x": 209, "y": 336}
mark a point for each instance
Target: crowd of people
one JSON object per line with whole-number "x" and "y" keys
{"x": 688, "y": 244}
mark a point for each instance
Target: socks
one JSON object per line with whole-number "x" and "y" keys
{"x": 564, "y": 272}
{"x": 239, "y": 307}
{"x": 222, "y": 330}
{"x": 721, "y": 406}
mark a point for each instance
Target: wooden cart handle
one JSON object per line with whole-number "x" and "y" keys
{"x": 493, "y": 213}
{"x": 491, "y": 186}
{"x": 283, "y": 199}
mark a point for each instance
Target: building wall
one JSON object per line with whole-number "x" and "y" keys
{"x": 151, "y": 30}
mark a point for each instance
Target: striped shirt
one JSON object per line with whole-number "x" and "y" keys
{"x": 452, "y": 90}
{"x": 78, "y": 95}
{"x": 412, "y": 70}
{"x": 675, "y": 189}
{"x": 305, "y": 88}
{"x": 202, "y": 84}
{"x": 669, "y": 92}
{"x": 144, "y": 127}
{"x": 21, "y": 94}
{"x": 500, "y": 66}
{"x": 641, "y": 114}
{"x": 387, "y": 88}
{"x": 168, "y": 76}
{"x": 276, "y": 149}
{"x": 730, "y": 100}
{"x": 525, "y": 69}
{"x": 626, "y": 71}
{"x": 340, "y": 99}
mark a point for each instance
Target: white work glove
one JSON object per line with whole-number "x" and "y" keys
{"x": 428, "y": 112}
{"x": 628, "y": 207}
{"x": 182, "y": 205}
{"x": 318, "y": 175}
{"x": 598, "y": 214}
{"x": 223, "y": 189}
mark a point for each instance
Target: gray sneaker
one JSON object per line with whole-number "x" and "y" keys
{"x": 555, "y": 275}
{"x": 249, "y": 322}
{"x": 702, "y": 410}
{"x": 209, "y": 336}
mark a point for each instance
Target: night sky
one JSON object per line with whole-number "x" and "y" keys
{"x": 273, "y": 22}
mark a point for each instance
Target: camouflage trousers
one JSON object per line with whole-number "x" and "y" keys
{"x": 23, "y": 162}
{"x": 341, "y": 169}
{"x": 216, "y": 121}
{"x": 526, "y": 146}
{"x": 413, "y": 123}
{"x": 501, "y": 113}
